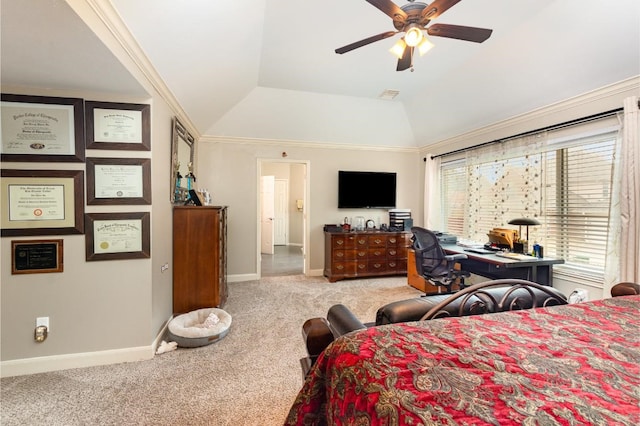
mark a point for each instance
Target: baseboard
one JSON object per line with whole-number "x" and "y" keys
{"x": 316, "y": 272}
{"x": 161, "y": 334}
{"x": 241, "y": 277}
{"x": 45, "y": 364}
{"x": 21, "y": 367}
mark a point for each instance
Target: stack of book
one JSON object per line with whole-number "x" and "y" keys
{"x": 400, "y": 219}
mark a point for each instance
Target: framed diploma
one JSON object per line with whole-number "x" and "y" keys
{"x": 36, "y": 256}
{"x": 113, "y": 236}
{"x": 42, "y": 128}
{"x": 118, "y": 181}
{"x": 118, "y": 126}
{"x": 42, "y": 202}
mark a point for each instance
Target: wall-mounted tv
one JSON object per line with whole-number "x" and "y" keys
{"x": 366, "y": 190}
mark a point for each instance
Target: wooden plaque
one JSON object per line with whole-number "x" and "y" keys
{"x": 36, "y": 256}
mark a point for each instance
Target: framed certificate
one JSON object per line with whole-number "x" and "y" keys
{"x": 118, "y": 126}
{"x": 114, "y": 236}
{"x": 42, "y": 128}
{"x": 118, "y": 181}
{"x": 42, "y": 202}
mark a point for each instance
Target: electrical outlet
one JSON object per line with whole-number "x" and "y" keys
{"x": 164, "y": 267}
{"x": 43, "y": 321}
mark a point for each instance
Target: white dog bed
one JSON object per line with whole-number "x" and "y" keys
{"x": 199, "y": 328}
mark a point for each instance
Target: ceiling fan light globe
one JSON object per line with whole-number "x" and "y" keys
{"x": 398, "y": 48}
{"x": 413, "y": 36}
{"x": 424, "y": 46}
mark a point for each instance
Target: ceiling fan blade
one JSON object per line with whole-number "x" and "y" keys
{"x": 407, "y": 59}
{"x": 459, "y": 32}
{"x": 390, "y": 9}
{"x": 435, "y": 9}
{"x": 369, "y": 40}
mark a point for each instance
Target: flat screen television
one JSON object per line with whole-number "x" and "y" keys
{"x": 366, "y": 190}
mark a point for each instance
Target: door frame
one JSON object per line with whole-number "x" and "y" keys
{"x": 261, "y": 211}
{"x": 306, "y": 215}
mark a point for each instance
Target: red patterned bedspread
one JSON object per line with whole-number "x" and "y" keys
{"x": 563, "y": 365}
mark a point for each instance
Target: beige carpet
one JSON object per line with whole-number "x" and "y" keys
{"x": 251, "y": 377}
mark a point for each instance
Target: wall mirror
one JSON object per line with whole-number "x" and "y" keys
{"x": 182, "y": 156}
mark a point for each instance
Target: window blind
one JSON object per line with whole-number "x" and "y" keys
{"x": 454, "y": 197}
{"x": 577, "y": 200}
{"x": 564, "y": 181}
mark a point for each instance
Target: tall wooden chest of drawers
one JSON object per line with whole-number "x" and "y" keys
{"x": 199, "y": 257}
{"x": 365, "y": 254}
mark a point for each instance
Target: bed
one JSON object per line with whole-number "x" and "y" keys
{"x": 568, "y": 365}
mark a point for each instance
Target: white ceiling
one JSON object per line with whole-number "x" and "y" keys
{"x": 266, "y": 69}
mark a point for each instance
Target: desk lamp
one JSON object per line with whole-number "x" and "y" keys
{"x": 523, "y": 221}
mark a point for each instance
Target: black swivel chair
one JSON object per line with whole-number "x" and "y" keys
{"x": 433, "y": 263}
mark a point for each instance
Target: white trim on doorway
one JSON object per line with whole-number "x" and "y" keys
{"x": 305, "y": 212}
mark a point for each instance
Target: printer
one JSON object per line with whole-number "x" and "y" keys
{"x": 445, "y": 238}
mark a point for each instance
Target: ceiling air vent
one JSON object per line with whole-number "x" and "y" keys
{"x": 389, "y": 94}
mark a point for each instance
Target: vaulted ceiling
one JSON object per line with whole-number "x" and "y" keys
{"x": 266, "y": 69}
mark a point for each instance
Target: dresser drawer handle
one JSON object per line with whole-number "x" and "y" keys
{"x": 392, "y": 264}
{"x": 377, "y": 240}
{"x": 361, "y": 254}
{"x": 392, "y": 240}
{"x": 339, "y": 267}
{"x": 392, "y": 252}
{"x": 362, "y": 242}
{"x": 339, "y": 254}
{"x": 377, "y": 253}
{"x": 339, "y": 242}
{"x": 377, "y": 265}
{"x": 360, "y": 266}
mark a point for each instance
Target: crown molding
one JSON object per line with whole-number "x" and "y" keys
{"x": 230, "y": 140}
{"x": 621, "y": 87}
{"x": 116, "y": 26}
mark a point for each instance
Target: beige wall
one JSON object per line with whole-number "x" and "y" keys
{"x": 230, "y": 169}
{"x": 100, "y": 311}
{"x": 98, "y": 305}
{"x": 296, "y": 192}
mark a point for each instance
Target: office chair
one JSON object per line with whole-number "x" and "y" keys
{"x": 433, "y": 263}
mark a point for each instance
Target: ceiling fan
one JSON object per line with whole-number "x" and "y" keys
{"x": 412, "y": 19}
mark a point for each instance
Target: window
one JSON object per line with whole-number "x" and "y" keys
{"x": 454, "y": 200}
{"x": 577, "y": 198}
{"x": 564, "y": 182}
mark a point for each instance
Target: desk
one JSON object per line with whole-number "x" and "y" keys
{"x": 496, "y": 267}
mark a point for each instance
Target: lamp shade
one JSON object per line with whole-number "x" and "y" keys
{"x": 524, "y": 221}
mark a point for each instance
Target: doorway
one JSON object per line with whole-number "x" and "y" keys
{"x": 283, "y": 217}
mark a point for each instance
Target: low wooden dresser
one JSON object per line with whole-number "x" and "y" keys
{"x": 365, "y": 254}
